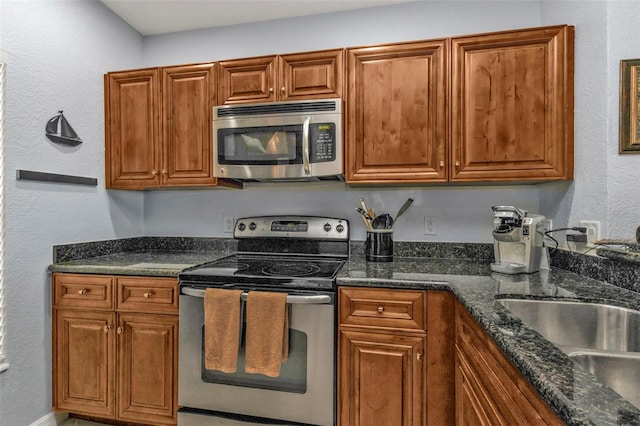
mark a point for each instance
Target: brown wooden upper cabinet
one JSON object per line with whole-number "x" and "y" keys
{"x": 158, "y": 127}
{"x": 397, "y": 113}
{"x": 512, "y": 105}
{"x": 299, "y": 76}
{"x": 490, "y": 107}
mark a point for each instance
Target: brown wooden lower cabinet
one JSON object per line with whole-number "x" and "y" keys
{"x": 411, "y": 357}
{"x": 394, "y": 347}
{"x": 489, "y": 390}
{"x": 113, "y": 364}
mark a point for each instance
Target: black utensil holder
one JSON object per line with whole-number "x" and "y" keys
{"x": 379, "y": 245}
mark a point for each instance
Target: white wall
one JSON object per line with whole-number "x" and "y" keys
{"x": 58, "y": 52}
{"x": 463, "y": 213}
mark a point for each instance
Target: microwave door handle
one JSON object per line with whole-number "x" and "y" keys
{"x": 319, "y": 299}
{"x": 305, "y": 146}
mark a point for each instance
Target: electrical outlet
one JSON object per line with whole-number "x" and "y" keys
{"x": 228, "y": 224}
{"x": 593, "y": 231}
{"x": 430, "y": 225}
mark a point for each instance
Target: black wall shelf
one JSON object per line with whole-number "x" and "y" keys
{"x": 55, "y": 178}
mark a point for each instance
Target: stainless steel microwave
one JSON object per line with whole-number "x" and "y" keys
{"x": 297, "y": 140}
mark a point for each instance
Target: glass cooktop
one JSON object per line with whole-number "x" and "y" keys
{"x": 294, "y": 271}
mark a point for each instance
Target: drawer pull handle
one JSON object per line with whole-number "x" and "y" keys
{"x": 107, "y": 328}
{"x": 120, "y": 330}
{"x": 380, "y": 309}
{"x": 148, "y": 295}
{"x": 83, "y": 291}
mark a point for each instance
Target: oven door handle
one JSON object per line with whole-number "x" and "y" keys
{"x": 320, "y": 299}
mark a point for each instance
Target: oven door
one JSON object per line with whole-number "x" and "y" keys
{"x": 304, "y": 391}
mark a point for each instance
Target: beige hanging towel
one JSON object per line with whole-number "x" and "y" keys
{"x": 222, "y": 321}
{"x": 267, "y": 337}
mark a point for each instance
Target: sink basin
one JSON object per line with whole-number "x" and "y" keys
{"x": 621, "y": 371}
{"x": 603, "y": 339}
{"x": 581, "y": 325}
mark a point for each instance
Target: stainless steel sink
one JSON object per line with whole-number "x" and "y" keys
{"x": 603, "y": 339}
{"x": 571, "y": 325}
{"x": 619, "y": 371}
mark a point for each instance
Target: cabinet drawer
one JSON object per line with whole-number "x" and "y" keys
{"x": 146, "y": 294}
{"x": 398, "y": 309}
{"x": 82, "y": 291}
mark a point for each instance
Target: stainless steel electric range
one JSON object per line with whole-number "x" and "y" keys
{"x": 299, "y": 255}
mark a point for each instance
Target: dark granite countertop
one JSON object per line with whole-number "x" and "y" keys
{"x": 148, "y": 263}
{"x": 568, "y": 389}
{"x": 145, "y": 256}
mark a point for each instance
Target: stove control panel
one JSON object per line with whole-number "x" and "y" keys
{"x": 306, "y": 227}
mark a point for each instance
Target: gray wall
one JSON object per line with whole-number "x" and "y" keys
{"x": 58, "y": 51}
{"x": 57, "y": 54}
{"x": 462, "y": 213}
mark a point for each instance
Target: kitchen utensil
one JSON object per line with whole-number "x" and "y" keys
{"x": 383, "y": 221}
{"x": 403, "y": 209}
{"x": 368, "y": 221}
{"x": 369, "y": 211}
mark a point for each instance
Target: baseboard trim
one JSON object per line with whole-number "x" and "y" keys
{"x": 50, "y": 419}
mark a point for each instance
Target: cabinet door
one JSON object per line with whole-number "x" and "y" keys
{"x": 512, "y": 105}
{"x": 502, "y": 392}
{"x": 247, "y": 80}
{"x": 147, "y": 368}
{"x": 84, "y": 360}
{"x": 311, "y": 75}
{"x": 471, "y": 404}
{"x": 132, "y": 129}
{"x": 188, "y": 97}
{"x": 397, "y": 113}
{"x": 381, "y": 379}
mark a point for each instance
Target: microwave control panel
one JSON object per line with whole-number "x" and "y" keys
{"x": 322, "y": 142}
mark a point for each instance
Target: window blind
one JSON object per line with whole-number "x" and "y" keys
{"x": 4, "y": 363}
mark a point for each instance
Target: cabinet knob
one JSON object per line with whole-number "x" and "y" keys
{"x": 270, "y": 89}
{"x": 107, "y": 328}
{"x": 442, "y": 164}
{"x": 154, "y": 172}
{"x": 457, "y": 164}
{"x": 419, "y": 356}
{"x": 164, "y": 171}
{"x": 83, "y": 291}
{"x": 148, "y": 295}
{"x": 120, "y": 330}
{"x": 283, "y": 89}
{"x": 381, "y": 309}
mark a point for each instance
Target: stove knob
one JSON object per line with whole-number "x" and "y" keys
{"x": 242, "y": 226}
{"x": 327, "y": 227}
{"x": 252, "y": 226}
{"x": 339, "y": 228}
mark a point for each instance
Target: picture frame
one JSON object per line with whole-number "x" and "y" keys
{"x": 630, "y": 106}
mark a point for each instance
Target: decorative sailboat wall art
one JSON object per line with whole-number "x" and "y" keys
{"x": 60, "y": 131}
